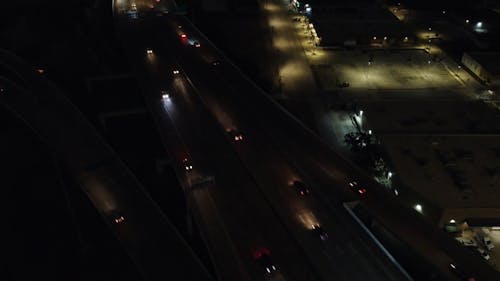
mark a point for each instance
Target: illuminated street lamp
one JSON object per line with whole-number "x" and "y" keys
{"x": 418, "y": 208}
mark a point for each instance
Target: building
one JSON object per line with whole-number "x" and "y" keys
{"x": 485, "y": 65}
{"x": 361, "y": 23}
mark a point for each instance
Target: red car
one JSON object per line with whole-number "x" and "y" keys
{"x": 263, "y": 257}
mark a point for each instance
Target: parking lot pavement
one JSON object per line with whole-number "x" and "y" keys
{"x": 384, "y": 69}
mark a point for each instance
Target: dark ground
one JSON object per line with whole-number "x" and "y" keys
{"x": 50, "y": 230}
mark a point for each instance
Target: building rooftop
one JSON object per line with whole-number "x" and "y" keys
{"x": 488, "y": 60}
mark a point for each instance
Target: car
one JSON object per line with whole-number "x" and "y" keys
{"x": 175, "y": 71}
{"x": 263, "y": 257}
{"x": 215, "y": 63}
{"x": 197, "y": 44}
{"x": 183, "y": 36}
{"x": 483, "y": 253}
{"x": 320, "y": 232}
{"x": 301, "y": 188}
{"x": 235, "y": 134}
{"x": 149, "y": 51}
{"x": 187, "y": 165}
{"x": 343, "y": 84}
{"x": 354, "y": 185}
{"x": 461, "y": 273}
{"x": 117, "y": 217}
{"x": 165, "y": 95}
{"x": 466, "y": 242}
{"x": 487, "y": 243}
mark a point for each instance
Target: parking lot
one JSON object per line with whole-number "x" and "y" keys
{"x": 472, "y": 239}
{"x": 387, "y": 69}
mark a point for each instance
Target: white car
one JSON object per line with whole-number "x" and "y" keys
{"x": 165, "y": 95}
{"x": 483, "y": 253}
{"x": 466, "y": 242}
{"x": 487, "y": 243}
{"x": 187, "y": 164}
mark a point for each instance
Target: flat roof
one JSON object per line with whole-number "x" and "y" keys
{"x": 445, "y": 150}
{"x": 488, "y": 60}
{"x": 450, "y": 171}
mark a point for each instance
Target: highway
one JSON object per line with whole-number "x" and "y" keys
{"x": 229, "y": 206}
{"x": 277, "y": 148}
{"x": 148, "y": 237}
{"x": 253, "y": 163}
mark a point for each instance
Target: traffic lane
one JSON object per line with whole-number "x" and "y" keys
{"x": 112, "y": 179}
{"x": 151, "y": 82}
{"x": 264, "y": 218}
{"x": 250, "y": 209}
{"x": 199, "y": 67}
{"x": 201, "y": 206}
{"x": 275, "y": 179}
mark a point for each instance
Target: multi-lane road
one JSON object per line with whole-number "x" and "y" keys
{"x": 251, "y": 200}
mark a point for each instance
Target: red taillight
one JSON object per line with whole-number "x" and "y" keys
{"x": 183, "y": 36}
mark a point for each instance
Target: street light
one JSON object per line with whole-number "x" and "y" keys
{"x": 418, "y": 208}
